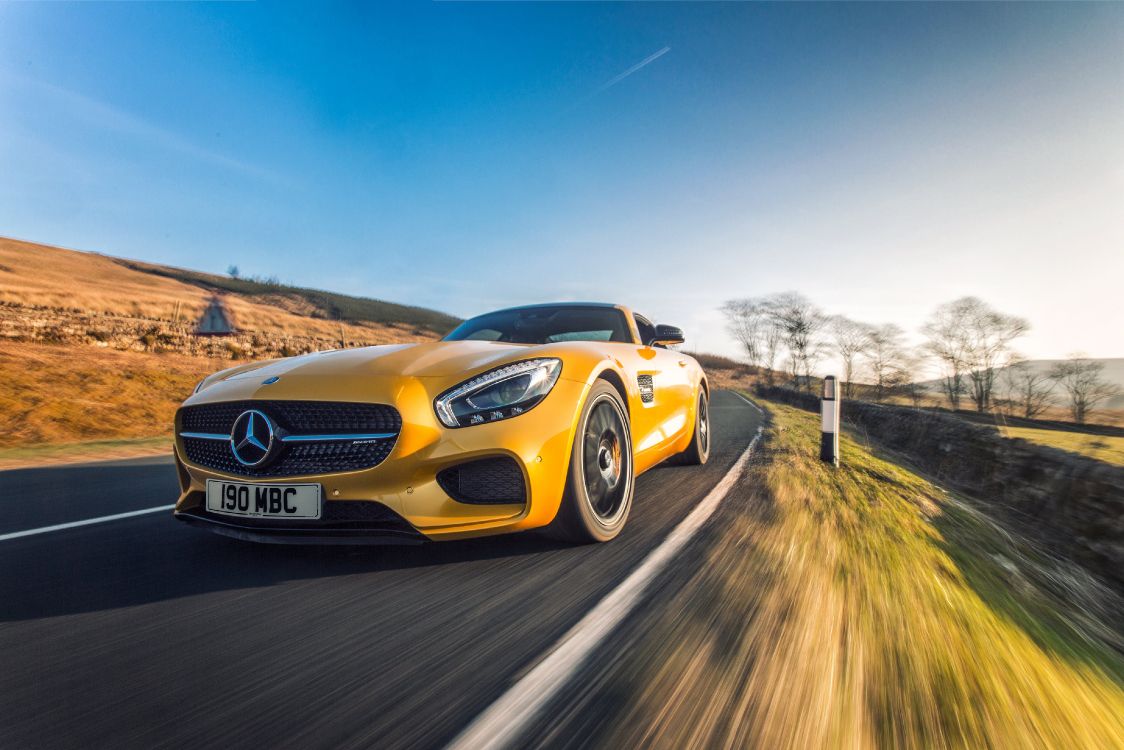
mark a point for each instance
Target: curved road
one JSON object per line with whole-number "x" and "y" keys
{"x": 142, "y": 632}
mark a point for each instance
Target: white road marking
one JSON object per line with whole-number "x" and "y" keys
{"x": 502, "y": 723}
{"x": 87, "y": 522}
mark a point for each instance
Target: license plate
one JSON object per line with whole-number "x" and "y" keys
{"x": 263, "y": 500}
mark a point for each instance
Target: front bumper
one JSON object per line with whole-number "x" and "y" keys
{"x": 392, "y": 530}
{"x": 405, "y": 483}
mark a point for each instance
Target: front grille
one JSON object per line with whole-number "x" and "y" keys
{"x": 294, "y": 418}
{"x": 483, "y": 482}
{"x": 295, "y": 460}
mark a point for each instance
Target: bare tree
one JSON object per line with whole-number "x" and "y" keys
{"x": 1081, "y": 379}
{"x": 1029, "y": 390}
{"x": 746, "y": 321}
{"x": 800, "y": 323}
{"x": 772, "y": 339}
{"x": 913, "y": 360}
{"x": 754, "y": 323}
{"x": 885, "y": 356}
{"x": 989, "y": 335}
{"x": 947, "y": 340}
{"x": 849, "y": 338}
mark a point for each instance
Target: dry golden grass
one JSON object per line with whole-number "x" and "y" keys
{"x": 41, "y": 275}
{"x": 36, "y": 456}
{"x": 52, "y": 394}
{"x": 32, "y": 274}
{"x": 863, "y": 607}
{"x": 66, "y": 401}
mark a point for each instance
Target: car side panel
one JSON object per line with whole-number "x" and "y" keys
{"x": 662, "y": 427}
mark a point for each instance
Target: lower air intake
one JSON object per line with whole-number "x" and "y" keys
{"x": 484, "y": 482}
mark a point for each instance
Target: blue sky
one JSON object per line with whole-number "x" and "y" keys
{"x": 464, "y": 156}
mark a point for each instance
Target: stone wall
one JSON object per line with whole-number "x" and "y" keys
{"x": 1072, "y": 505}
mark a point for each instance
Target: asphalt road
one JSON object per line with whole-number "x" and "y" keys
{"x": 143, "y": 632}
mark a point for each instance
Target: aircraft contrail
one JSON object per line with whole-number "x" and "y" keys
{"x": 647, "y": 60}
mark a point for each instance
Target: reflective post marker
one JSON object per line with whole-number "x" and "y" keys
{"x": 829, "y": 411}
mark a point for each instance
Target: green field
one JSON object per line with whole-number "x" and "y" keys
{"x": 1101, "y": 447}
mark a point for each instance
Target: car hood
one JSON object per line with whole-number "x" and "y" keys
{"x": 432, "y": 359}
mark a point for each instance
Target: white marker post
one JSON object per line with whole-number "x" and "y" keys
{"x": 829, "y": 410}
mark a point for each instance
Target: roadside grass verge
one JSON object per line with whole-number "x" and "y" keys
{"x": 93, "y": 450}
{"x": 1101, "y": 447}
{"x": 51, "y": 395}
{"x": 864, "y": 607}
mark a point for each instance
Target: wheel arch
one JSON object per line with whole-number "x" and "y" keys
{"x": 614, "y": 379}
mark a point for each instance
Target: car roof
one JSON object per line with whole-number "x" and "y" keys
{"x": 576, "y": 305}
{"x": 605, "y": 305}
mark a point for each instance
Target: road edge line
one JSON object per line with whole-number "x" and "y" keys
{"x": 86, "y": 522}
{"x": 505, "y": 720}
{"x": 745, "y": 399}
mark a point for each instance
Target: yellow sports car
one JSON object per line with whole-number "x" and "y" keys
{"x": 532, "y": 417}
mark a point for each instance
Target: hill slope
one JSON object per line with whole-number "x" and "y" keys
{"x": 96, "y": 352}
{"x": 1113, "y": 373}
{"x": 41, "y": 275}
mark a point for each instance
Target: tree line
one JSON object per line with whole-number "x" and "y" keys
{"x": 971, "y": 343}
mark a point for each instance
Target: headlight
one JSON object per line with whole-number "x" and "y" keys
{"x": 498, "y": 394}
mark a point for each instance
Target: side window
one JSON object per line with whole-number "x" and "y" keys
{"x": 647, "y": 330}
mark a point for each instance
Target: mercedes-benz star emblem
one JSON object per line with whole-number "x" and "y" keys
{"x": 251, "y": 439}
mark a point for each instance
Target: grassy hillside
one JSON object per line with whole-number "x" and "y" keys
{"x": 318, "y": 303}
{"x": 1113, "y": 372}
{"x": 41, "y": 275}
{"x": 1109, "y": 448}
{"x": 99, "y": 403}
{"x": 864, "y": 607}
{"x": 98, "y": 352}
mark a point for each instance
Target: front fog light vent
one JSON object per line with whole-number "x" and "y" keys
{"x": 484, "y": 482}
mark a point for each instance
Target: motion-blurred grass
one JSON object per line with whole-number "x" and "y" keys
{"x": 91, "y": 450}
{"x": 59, "y": 395}
{"x": 865, "y": 607}
{"x": 1101, "y": 447}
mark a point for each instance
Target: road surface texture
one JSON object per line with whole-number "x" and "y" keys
{"x": 142, "y": 632}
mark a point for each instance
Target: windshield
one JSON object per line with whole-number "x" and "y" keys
{"x": 546, "y": 325}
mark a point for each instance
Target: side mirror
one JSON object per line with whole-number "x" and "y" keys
{"x": 667, "y": 335}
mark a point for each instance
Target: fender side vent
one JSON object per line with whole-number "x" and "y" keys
{"x": 647, "y": 389}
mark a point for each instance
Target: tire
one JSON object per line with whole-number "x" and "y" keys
{"x": 600, "y": 481}
{"x": 699, "y": 450}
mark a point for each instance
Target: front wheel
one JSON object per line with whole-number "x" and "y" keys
{"x": 599, "y": 485}
{"x": 699, "y": 450}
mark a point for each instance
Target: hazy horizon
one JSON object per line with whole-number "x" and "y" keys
{"x": 880, "y": 159}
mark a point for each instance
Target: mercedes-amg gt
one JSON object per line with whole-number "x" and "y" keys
{"x": 531, "y": 417}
